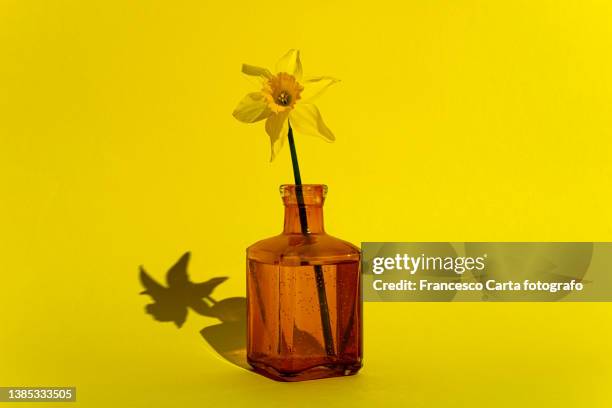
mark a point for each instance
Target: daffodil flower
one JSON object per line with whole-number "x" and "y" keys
{"x": 285, "y": 100}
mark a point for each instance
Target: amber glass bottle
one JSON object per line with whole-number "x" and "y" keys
{"x": 304, "y": 296}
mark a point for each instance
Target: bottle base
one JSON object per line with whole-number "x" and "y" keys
{"x": 312, "y": 373}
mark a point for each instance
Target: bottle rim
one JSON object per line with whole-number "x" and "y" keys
{"x": 306, "y": 188}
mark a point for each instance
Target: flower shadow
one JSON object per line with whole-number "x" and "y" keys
{"x": 171, "y": 303}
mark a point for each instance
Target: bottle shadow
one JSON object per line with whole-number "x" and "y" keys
{"x": 171, "y": 303}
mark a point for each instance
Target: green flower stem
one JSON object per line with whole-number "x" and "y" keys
{"x": 298, "y": 183}
{"x": 318, "y": 269}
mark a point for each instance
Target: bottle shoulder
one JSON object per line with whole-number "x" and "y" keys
{"x": 299, "y": 249}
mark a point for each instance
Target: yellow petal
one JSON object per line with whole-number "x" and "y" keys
{"x": 291, "y": 64}
{"x": 252, "y": 108}
{"x": 305, "y": 119}
{"x": 277, "y": 128}
{"x": 316, "y": 86}
{"x": 253, "y": 70}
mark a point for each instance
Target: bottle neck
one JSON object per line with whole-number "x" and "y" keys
{"x": 303, "y": 208}
{"x": 294, "y": 221}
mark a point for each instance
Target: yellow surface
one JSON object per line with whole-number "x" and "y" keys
{"x": 455, "y": 121}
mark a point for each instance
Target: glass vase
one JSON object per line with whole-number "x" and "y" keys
{"x": 304, "y": 296}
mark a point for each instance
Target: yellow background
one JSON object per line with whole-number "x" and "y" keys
{"x": 455, "y": 121}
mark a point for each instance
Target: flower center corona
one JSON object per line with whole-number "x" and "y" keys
{"x": 283, "y": 98}
{"x": 282, "y": 91}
